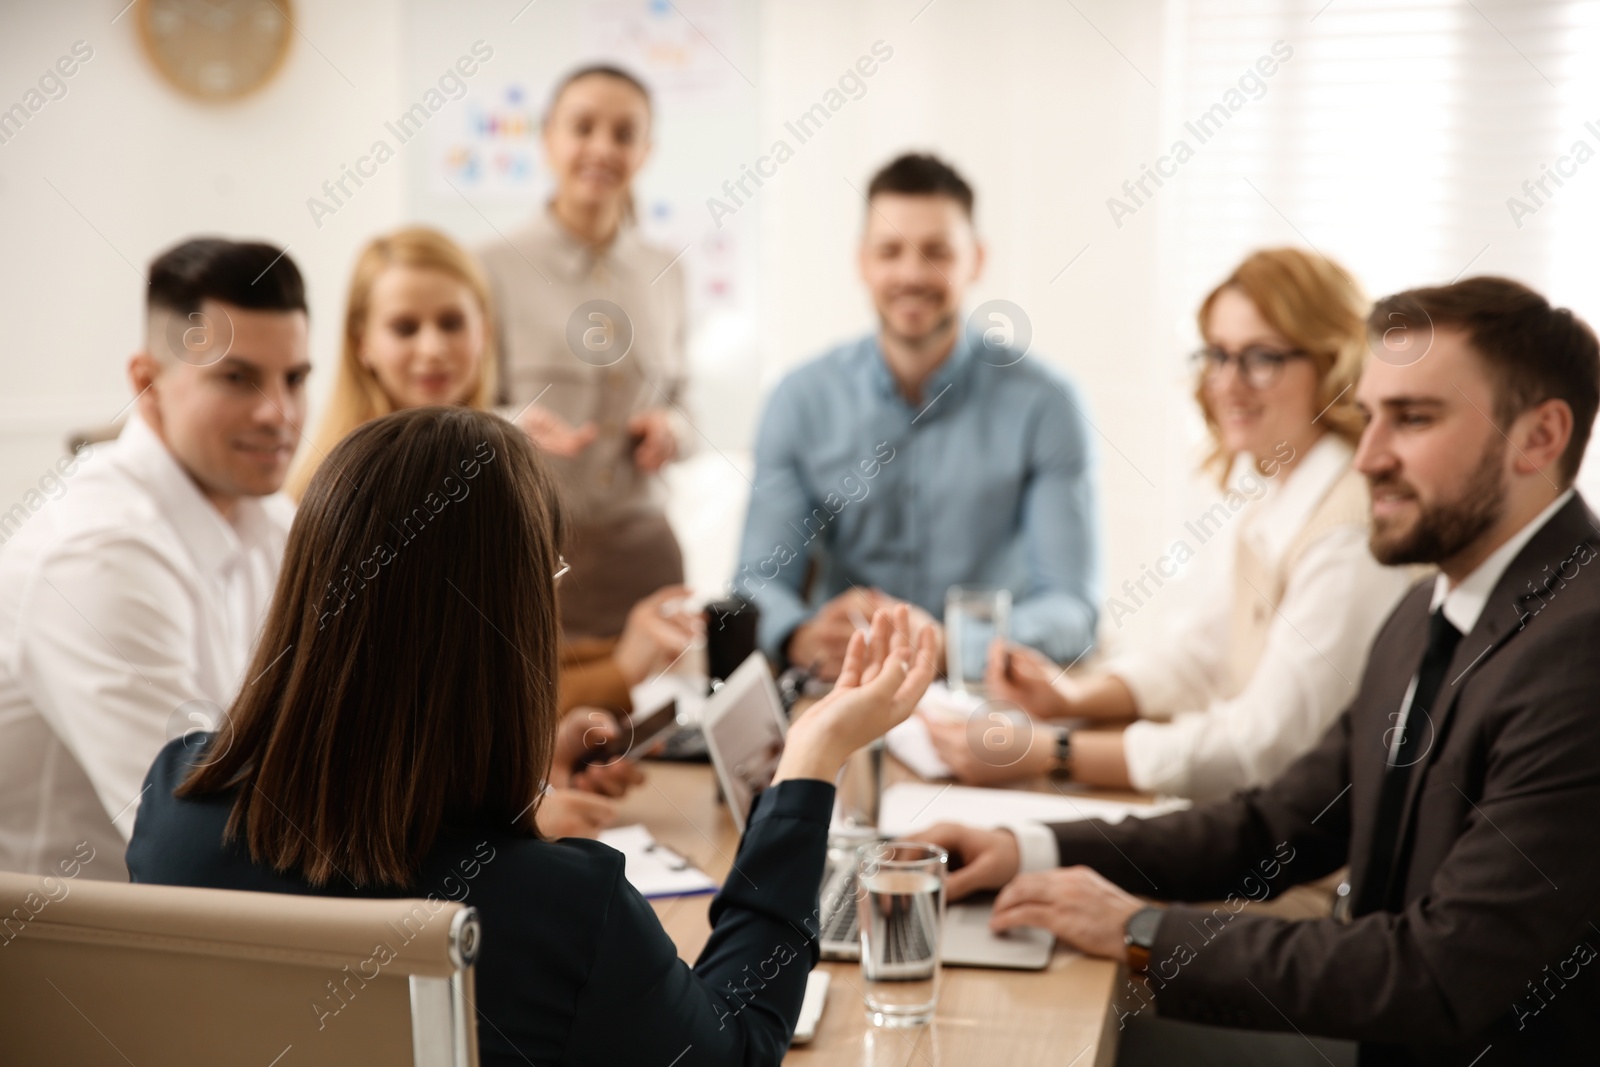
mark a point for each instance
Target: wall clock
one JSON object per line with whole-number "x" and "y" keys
{"x": 216, "y": 50}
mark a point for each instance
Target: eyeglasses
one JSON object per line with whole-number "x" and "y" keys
{"x": 565, "y": 567}
{"x": 1258, "y": 365}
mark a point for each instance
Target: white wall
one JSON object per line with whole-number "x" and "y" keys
{"x": 100, "y": 181}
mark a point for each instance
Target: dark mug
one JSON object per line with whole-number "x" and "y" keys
{"x": 730, "y": 635}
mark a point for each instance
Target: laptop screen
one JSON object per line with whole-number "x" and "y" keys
{"x": 744, "y": 728}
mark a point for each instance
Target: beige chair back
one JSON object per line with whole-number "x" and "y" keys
{"x": 105, "y": 973}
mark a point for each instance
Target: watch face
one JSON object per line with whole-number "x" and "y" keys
{"x": 1142, "y": 927}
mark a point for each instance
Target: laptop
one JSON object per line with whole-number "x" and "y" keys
{"x": 744, "y": 729}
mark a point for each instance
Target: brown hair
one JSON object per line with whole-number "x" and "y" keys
{"x": 1534, "y": 352}
{"x": 602, "y": 70}
{"x": 404, "y": 678}
{"x": 1318, "y": 307}
{"x": 357, "y": 396}
{"x": 921, "y": 174}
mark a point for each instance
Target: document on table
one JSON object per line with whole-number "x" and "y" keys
{"x": 652, "y": 868}
{"x": 909, "y": 806}
{"x": 909, "y": 742}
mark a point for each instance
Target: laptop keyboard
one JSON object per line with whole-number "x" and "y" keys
{"x": 841, "y": 922}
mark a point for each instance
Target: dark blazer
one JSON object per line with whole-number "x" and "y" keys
{"x": 574, "y": 966}
{"x": 1489, "y": 938}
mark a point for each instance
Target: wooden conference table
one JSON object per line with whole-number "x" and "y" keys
{"x": 1062, "y": 1015}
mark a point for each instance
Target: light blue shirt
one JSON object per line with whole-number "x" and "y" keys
{"x": 987, "y": 482}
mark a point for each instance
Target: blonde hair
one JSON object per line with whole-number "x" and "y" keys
{"x": 357, "y": 396}
{"x": 1318, "y": 307}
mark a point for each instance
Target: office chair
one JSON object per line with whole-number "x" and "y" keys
{"x": 106, "y": 973}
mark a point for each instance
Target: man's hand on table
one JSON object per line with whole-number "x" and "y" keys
{"x": 979, "y": 859}
{"x": 880, "y": 681}
{"x": 1076, "y": 904}
{"x": 819, "y": 643}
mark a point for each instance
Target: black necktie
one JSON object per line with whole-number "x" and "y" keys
{"x": 1415, "y": 732}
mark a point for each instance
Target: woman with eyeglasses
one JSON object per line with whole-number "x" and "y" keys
{"x": 417, "y": 333}
{"x": 1237, "y": 687}
{"x": 400, "y": 746}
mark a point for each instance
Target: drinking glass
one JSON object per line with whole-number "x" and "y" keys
{"x": 973, "y": 617}
{"x": 861, "y": 786}
{"x": 901, "y": 904}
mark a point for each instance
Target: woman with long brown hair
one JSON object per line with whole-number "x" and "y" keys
{"x": 1236, "y": 689}
{"x": 417, "y": 332}
{"x": 402, "y": 724}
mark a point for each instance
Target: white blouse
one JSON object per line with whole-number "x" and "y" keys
{"x": 1192, "y": 740}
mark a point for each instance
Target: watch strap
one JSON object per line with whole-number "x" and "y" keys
{"x": 1061, "y": 758}
{"x": 1139, "y": 936}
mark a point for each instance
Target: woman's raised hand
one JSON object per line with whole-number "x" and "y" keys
{"x": 883, "y": 677}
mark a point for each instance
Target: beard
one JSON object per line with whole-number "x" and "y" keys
{"x": 935, "y": 333}
{"x": 1444, "y": 528}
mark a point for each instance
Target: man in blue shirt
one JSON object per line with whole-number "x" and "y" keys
{"x": 926, "y": 455}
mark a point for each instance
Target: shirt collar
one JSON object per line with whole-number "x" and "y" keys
{"x": 1464, "y": 603}
{"x": 1295, "y": 494}
{"x": 947, "y": 374}
{"x": 575, "y": 258}
{"x": 216, "y": 544}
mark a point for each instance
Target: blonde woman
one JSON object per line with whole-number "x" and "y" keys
{"x": 417, "y": 334}
{"x": 592, "y": 341}
{"x": 1237, "y": 689}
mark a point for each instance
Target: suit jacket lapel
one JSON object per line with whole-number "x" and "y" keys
{"x": 1530, "y": 580}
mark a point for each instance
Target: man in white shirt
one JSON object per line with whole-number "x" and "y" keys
{"x": 129, "y": 606}
{"x": 1460, "y": 785}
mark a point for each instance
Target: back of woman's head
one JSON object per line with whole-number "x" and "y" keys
{"x": 405, "y": 675}
{"x": 1316, "y": 306}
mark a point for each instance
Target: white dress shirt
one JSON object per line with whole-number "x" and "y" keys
{"x": 1465, "y": 603}
{"x": 128, "y": 612}
{"x": 1212, "y": 744}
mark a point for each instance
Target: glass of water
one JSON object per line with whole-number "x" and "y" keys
{"x": 861, "y": 786}
{"x": 973, "y": 617}
{"x": 901, "y": 905}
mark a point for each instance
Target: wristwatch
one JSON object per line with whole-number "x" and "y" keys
{"x": 1061, "y": 758}
{"x": 1139, "y": 935}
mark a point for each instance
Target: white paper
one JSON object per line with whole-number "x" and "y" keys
{"x": 909, "y": 806}
{"x": 689, "y": 690}
{"x": 909, "y": 742}
{"x": 652, "y": 868}
{"x": 941, "y": 701}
